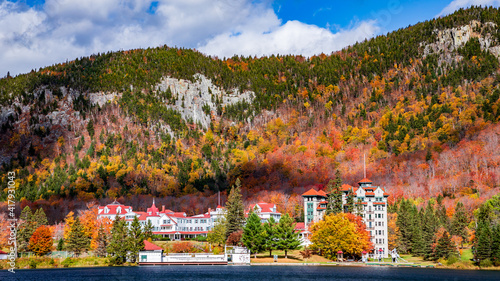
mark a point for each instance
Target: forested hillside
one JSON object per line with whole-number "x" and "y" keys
{"x": 422, "y": 103}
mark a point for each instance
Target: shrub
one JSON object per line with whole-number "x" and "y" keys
{"x": 33, "y": 263}
{"x": 201, "y": 238}
{"x": 451, "y": 260}
{"x": 182, "y": 247}
{"x": 67, "y": 262}
{"x": 485, "y": 263}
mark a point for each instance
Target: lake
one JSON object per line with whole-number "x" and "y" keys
{"x": 254, "y": 273}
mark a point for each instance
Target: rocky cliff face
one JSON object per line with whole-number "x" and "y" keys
{"x": 450, "y": 40}
{"x": 192, "y": 97}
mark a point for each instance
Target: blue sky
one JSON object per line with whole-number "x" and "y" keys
{"x": 37, "y": 33}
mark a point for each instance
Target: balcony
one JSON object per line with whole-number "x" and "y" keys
{"x": 370, "y": 212}
{"x": 370, "y": 228}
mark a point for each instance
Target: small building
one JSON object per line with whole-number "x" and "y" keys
{"x": 3, "y": 255}
{"x": 238, "y": 255}
{"x": 303, "y": 234}
{"x": 151, "y": 253}
{"x": 265, "y": 211}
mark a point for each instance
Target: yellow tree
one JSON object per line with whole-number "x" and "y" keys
{"x": 89, "y": 221}
{"x": 68, "y": 222}
{"x": 337, "y": 233}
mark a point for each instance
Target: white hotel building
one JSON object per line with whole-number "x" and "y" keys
{"x": 177, "y": 225}
{"x": 374, "y": 210}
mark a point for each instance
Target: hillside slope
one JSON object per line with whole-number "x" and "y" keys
{"x": 422, "y": 103}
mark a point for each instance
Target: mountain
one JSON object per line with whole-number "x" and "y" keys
{"x": 421, "y": 102}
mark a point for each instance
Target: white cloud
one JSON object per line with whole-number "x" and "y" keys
{"x": 291, "y": 38}
{"x": 63, "y": 30}
{"x": 457, "y": 4}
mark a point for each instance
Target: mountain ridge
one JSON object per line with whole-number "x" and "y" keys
{"x": 116, "y": 124}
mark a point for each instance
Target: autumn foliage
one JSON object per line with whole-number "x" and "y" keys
{"x": 41, "y": 241}
{"x": 340, "y": 232}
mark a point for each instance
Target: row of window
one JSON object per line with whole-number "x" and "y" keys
{"x": 379, "y": 241}
{"x": 191, "y": 221}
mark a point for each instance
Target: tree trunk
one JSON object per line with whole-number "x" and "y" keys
{"x": 286, "y": 255}
{"x": 270, "y": 253}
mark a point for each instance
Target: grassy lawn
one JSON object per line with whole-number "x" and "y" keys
{"x": 293, "y": 257}
{"x": 466, "y": 255}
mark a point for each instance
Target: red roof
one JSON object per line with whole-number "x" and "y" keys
{"x": 300, "y": 226}
{"x": 2, "y": 252}
{"x": 264, "y": 207}
{"x": 346, "y": 187}
{"x": 365, "y": 180}
{"x": 148, "y": 246}
{"x": 386, "y": 194}
{"x": 321, "y": 208}
{"x": 323, "y": 202}
{"x": 369, "y": 194}
{"x": 112, "y": 209}
{"x": 379, "y": 203}
{"x": 311, "y": 192}
{"x": 322, "y": 193}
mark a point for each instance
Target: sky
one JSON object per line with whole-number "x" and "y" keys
{"x": 39, "y": 33}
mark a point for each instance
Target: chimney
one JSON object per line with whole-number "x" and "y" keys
{"x": 209, "y": 211}
{"x": 163, "y": 208}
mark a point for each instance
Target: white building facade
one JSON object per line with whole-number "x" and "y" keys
{"x": 373, "y": 201}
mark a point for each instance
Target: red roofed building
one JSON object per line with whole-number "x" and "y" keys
{"x": 265, "y": 211}
{"x": 369, "y": 201}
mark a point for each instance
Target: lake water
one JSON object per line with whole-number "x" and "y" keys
{"x": 254, "y": 273}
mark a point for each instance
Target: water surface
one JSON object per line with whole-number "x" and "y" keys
{"x": 253, "y": 273}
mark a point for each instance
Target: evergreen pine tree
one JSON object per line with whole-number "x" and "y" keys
{"x": 349, "y": 206}
{"x": 459, "y": 222}
{"x": 135, "y": 239}
{"x": 77, "y": 242}
{"x": 287, "y": 239}
{"x": 25, "y": 229}
{"x": 443, "y": 248}
{"x": 441, "y": 213}
{"x": 40, "y": 218}
{"x": 404, "y": 223}
{"x": 118, "y": 246}
{"x": 253, "y": 236}
{"x": 148, "y": 231}
{"x": 102, "y": 243}
{"x": 359, "y": 207}
{"x": 334, "y": 205}
{"x": 484, "y": 240}
{"x": 235, "y": 215}
{"x": 495, "y": 245}
{"x": 270, "y": 235}
{"x": 429, "y": 228}
{"x": 60, "y": 245}
{"x": 417, "y": 242}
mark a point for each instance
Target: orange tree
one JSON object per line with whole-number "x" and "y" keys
{"x": 340, "y": 232}
{"x": 41, "y": 241}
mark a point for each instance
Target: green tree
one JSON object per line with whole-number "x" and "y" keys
{"x": 405, "y": 226}
{"x": 90, "y": 128}
{"x": 235, "y": 215}
{"x": 135, "y": 239}
{"x": 444, "y": 247}
{"x": 334, "y": 205}
{"x": 77, "y": 242}
{"x": 25, "y": 229}
{"x": 253, "y": 234}
{"x": 118, "y": 246}
{"x": 417, "y": 242}
{"x": 441, "y": 213}
{"x": 40, "y": 218}
{"x": 148, "y": 231}
{"x": 102, "y": 243}
{"x": 429, "y": 228}
{"x": 349, "y": 206}
{"x": 270, "y": 236}
{"x": 460, "y": 222}
{"x": 60, "y": 245}
{"x": 218, "y": 234}
{"x": 287, "y": 237}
